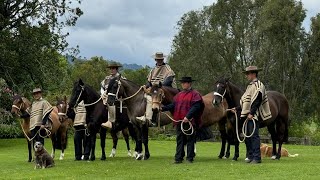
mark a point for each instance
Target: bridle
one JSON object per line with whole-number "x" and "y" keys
{"x": 116, "y": 95}
{"x": 19, "y": 108}
{"x": 160, "y": 97}
{"x": 218, "y": 94}
{"x": 77, "y": 101}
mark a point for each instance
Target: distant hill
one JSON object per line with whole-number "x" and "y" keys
{"x": 132, "y": 66}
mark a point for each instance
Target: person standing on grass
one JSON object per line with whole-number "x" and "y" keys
{"x": 187, "y": 106}
{"x": 250, "y": 107}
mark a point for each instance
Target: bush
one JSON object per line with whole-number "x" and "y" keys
{"x": 9, "y": 126}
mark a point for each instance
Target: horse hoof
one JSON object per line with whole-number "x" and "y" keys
{"x": 135, "y": 154}
{"x": 92, "y": 158}
{"x": 129, "y": 153}
{"x": 273, "y": 157}
{"x": 146, "y": 157}
{"x": 235, "y": 159}
{"x": 139, "y": 156}
{"x": 103, "y": 158}
{"x": 220, "y": 156}
{"x": 61, "y": 157}
{"x": 224, "y": 157}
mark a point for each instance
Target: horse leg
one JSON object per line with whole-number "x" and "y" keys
{"x": 63, "y": 141}
{"x": 145, "y": 132}
{"x": 93, "y": 146}
{"x": 87, "y": 147}
{"x": 125, "y": 134}
{"x": 223, "y": 136}
{"x": 53, "y": 145}
{"x": 272, "y": 131}
{"x": 228, "y": 150}
{"x": 236, "y": 151}
{"x": 115, "y": 143}
{"x": 103, "y": 135}
{"x": 280, "y": 126}
{"x": 139, "y": 155}
{"x": 29, "y": 150}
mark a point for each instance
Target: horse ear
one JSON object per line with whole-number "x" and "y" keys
{"x": 81, "y": 82}
{"x": 65, "y": 99}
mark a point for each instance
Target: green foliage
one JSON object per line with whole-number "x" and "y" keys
{"x": 138, "y": 76}
{"x": 224, "y": 38}
{"x": 31, "y": 40}
{"x": 91, "y": 71}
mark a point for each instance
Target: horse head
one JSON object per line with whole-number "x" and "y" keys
{"x": 222, "y": 90}
{"x": 19, "y": 105}
{"x": 62, "y": 106}
{"x": 114, "y": 90}
{"x": 157, "y": 94}
{"x": 77, "y": 94}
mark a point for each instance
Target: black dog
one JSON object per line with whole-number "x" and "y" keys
{"x": 42, "y": 157}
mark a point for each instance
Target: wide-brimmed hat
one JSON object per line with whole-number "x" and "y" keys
{"x": 186, "y": 79}
{"x": 114, "y": 64}
{"x": 251, "y": 69}
{"x": 35, "y": 90}
{"x": 158, "y": 55}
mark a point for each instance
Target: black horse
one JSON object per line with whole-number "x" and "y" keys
{"x": 279, "y": 106}
{"x": 133, "y": 96}
{"x": 98, "y": 114}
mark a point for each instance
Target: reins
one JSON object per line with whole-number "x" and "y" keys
{"x": 184, "y": 131}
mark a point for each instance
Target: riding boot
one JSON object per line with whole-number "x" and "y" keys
{"x": 111, "y": 117}
{"x": 148, "y": 114}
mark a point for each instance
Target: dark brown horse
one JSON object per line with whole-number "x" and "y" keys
{"x": 211, "y": 115}
{"x": 279, "y": 106}
{"x": 133, "y": 96}
{"x": 20, "y": 106}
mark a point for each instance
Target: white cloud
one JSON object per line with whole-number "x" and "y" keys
{"x": 130, "y": 31}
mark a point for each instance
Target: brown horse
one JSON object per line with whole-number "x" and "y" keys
{"x": 62, "y": 134}
{"x": 211, "y": 115}
{"x": 22, "y": 105}
{"x": 279, "y": 106}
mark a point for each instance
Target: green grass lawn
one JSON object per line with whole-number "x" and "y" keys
{"x": 14, "y": 165}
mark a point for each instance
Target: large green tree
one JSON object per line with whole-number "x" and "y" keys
{"x": 32, "y": 40}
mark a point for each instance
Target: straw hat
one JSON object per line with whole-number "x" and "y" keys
{"x": 252, "y": 69}
{"x": 159, "y": 56}
{"x": 36, "y": 90}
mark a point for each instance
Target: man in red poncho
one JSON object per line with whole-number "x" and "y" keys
{"x": 187, "y": 106}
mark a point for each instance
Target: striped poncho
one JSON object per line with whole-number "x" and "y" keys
{"x": 39, "y": 109}
{"x": 248, "y": 98}
{"x": 81, "y": 113}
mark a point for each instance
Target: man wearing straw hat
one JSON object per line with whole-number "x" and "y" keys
{"x": 161, "y": 73}
{"x": 187, "y": 107}
{"x": 114, "y": 72}
{"x": 251, "y": 107}
{"x": 40, "y": 111}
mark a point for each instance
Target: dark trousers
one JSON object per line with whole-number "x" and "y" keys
{"x": 182, "y": 140}
{"x": 253, "y": 143}
{"x": 37, "y": 137}
{"x": 79, "y": 141}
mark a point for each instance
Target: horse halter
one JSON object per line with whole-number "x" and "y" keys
{"x": 160, "y": 96}
{"x": 77, "y": 101}
{"x": 19, "y": 108}
{"x": 117, "y": 92}
{"x": 218, "y": 94}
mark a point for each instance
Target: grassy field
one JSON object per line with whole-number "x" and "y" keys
{"x": 13, "y": 156}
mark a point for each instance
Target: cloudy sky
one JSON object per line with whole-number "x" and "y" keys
{"x": 130, "y": 31}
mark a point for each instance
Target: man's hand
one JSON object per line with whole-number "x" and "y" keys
{"x": 42, "y": 127}
{"x": 250, "y": 116}
{"x": 185, "y": 120}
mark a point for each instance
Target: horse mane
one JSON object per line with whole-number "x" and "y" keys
{"x": 26, "y": 101}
